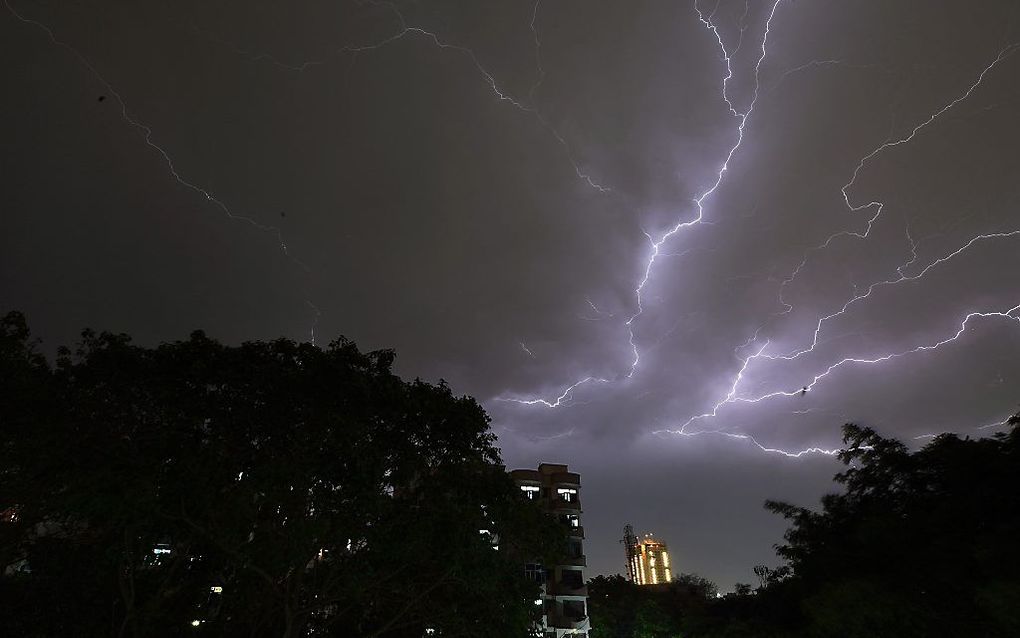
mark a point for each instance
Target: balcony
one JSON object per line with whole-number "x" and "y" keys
{"x": 568, "y": 622}
{"x": 566, "y": 589}
{"x": 576, "y": 561}
{"x": 561, "y": 504}
{"x": 576, "y": 532}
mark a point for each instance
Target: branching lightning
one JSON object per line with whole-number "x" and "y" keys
{"x": 146, "y": 133}
{"x": 531, "y": 107}
{"x": 733, "y": 396}
{"x": 526, "y": 349}
{"x": 813, "y": 64}
{"x": 405, "y": 30}
{"x": 656, "y": 244}
{"x": 147, "y": 136}
{"x": 700, "y": 199}
{"x": 759, "y": 349}
{"x": 878, "y": 206}
{"x": 740, "y": 436}
{"x": 538, "y": 55}
{"x": 562, "y": 399}
{"x": 891, "y": 282}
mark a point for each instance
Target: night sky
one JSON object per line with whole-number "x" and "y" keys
{"x": 529, "y": 201}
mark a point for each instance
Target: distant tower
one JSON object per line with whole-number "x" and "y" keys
{"x": 647, "y": 559}
{"x": 630, "y": 548}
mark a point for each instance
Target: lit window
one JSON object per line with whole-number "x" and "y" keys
{"x": 216, "y": 589}
{"x": 567, "y": 494}
{"x": 196, "y": 623}
{"x": 531, "y": 491}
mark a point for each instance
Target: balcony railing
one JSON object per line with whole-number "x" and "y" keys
{"x": 567, "y": 589}
{"x": 563, "y": 504}
{"x": 568, "y": 622}
{"x": 576, "y": 561}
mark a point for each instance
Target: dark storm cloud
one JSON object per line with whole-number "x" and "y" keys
{"x": 421, "y": 211}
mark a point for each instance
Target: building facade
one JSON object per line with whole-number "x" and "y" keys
{"x": 564, "y": 593}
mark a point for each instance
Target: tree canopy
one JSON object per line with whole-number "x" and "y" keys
{"x": 272, "y": 488}
{"x": 921, "y": 543}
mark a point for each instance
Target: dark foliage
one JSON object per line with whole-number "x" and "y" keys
{"x": 270, "y": 489}
{"x": 621, "y": 609}
{"x": 919, "y": 544}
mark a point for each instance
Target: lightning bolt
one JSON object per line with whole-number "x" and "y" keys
{"x": 878, "y": 206}
{"x": 700, "y": 199}
{"x": 891, "y": 282}
{"x": 538, "y": 55}
{"x": 255, "y": 56}
{"x": 599, "y": 314}
{"x": 996, "y": 424}
{"x": 405, "y": 30}
{"x": 562, "y": 399}
{"x": 740, "y": 436}
{"x": 731, "y": 397}
{"x": 531, "y": 108}
{"x": 146, "y": 133}
{"x": 147, "y": 136}
{"x": 533, "y": 438}
{"x": 678, "y": 227}
{"x": 814, "y": 64}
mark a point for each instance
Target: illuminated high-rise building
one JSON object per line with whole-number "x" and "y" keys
{"x": 647, "y": 559}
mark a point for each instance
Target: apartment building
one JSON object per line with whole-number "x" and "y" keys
{"x": 564, "y": 593}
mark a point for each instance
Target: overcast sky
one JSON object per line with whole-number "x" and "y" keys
{"x": 522, "y": 197}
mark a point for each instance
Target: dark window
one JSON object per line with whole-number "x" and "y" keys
{"x": 573, "y": 609}
{"x": 535, "y": 572}
{"x": 571, "y": 578}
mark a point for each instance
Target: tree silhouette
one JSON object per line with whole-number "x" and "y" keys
{"x": 920, "y": 543}
{"x": 272, "y": 488}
